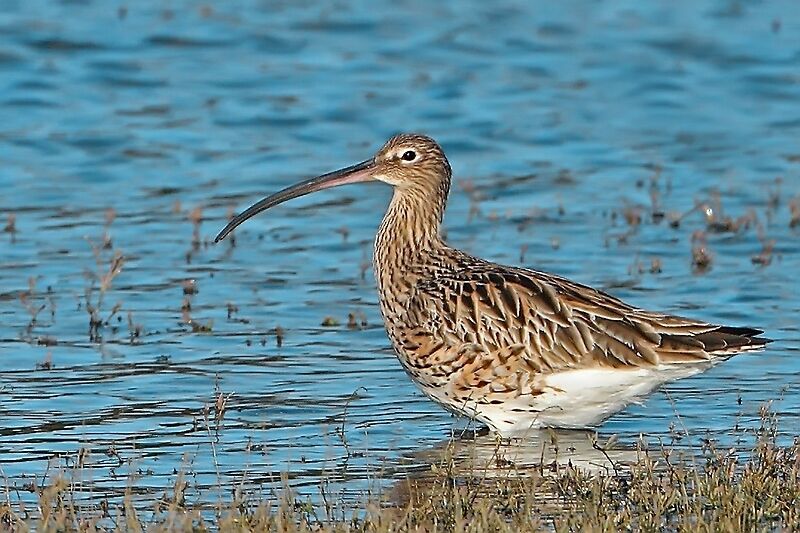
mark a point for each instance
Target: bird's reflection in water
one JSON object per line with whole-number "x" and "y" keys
{"x": 540, "y": 449}
{"x": 471, "y": 457}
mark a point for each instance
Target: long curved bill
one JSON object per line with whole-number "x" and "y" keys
{"x": 354, "y": 174}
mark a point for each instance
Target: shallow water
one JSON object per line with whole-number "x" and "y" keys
{"x": 561, "y": 124}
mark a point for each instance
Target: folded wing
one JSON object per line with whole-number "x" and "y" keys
{"x": 557, "y": 324}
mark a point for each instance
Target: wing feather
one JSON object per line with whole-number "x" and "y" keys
{"x": 556, "y": 324}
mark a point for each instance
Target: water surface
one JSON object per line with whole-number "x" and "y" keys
{"x": 571, "y": 128}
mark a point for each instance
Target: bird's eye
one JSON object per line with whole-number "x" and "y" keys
{"x": 408, "y": 155}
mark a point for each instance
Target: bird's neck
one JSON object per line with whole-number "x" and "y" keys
{"x": 408, "y": 241}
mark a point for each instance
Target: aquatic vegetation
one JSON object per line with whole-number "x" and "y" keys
{"x": 100, "y": 284}
{"x": 701, "y": 255}
{"x": 752, "y": 488}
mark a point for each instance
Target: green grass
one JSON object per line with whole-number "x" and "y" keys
{"x": 751, "y": 489}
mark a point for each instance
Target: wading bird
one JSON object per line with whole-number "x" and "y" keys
{"x": 511, "y": 347}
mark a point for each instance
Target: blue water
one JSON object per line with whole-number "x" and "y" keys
{"x": 562, "y": 121}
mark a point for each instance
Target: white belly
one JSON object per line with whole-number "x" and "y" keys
{"x": 572, "y": 399}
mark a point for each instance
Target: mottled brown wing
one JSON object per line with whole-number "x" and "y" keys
{"x": 560, "y": 324}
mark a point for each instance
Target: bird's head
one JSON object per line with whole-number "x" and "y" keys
{"x": 409, "y": 162}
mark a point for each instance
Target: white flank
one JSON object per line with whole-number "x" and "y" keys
{"x": 581, "y": 398}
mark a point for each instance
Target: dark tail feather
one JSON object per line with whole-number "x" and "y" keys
{"x": 728, "y": 340}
